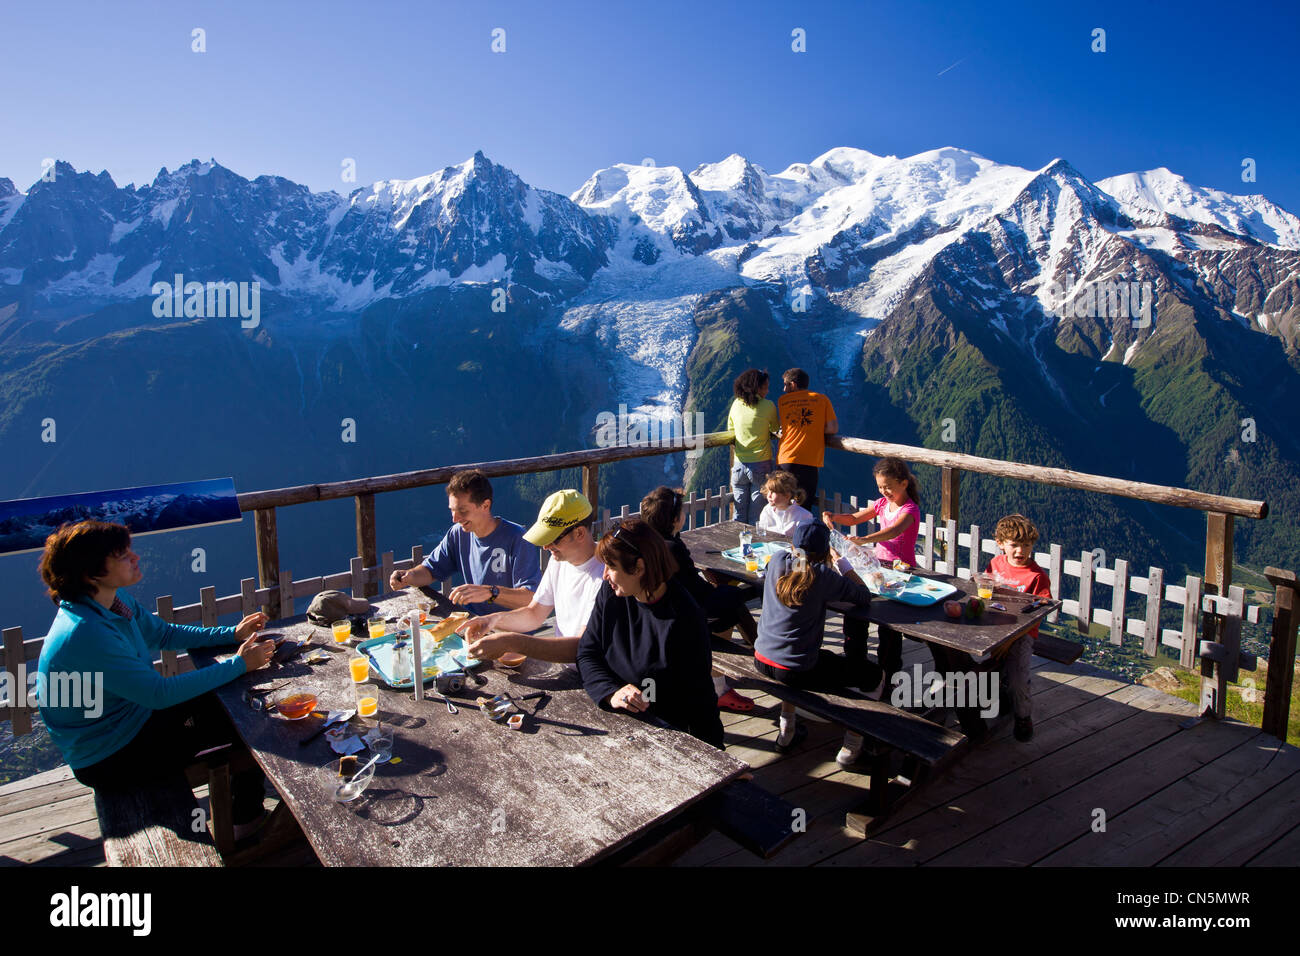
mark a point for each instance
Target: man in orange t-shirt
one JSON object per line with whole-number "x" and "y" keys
{"x": 807, "y": 418}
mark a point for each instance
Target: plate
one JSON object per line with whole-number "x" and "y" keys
{"x": 509, "y": 659}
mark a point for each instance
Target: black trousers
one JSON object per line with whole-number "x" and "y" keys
{"x": 890, "y": 652}
{"x": 832, "y": 673}
{"x": 167, "y": 744}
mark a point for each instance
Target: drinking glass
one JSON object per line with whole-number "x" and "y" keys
{"x": 367, "y": 700}
{"x": 381, "y": 745}
{"x": 984, "y": 586}
{"x": 378, "y": 627}
{"x": 342, "y": 631}
{"x": 360, "y": 668}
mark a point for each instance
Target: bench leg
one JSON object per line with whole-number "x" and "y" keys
{"x": 221, "y": 808}
{"x": 887, "y": 791}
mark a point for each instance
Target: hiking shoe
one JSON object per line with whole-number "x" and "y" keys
{"x": 1024, "y": 729}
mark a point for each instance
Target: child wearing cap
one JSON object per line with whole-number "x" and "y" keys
{"x": 798, "y": 586}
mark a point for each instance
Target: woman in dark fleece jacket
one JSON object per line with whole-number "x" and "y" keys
{"x": 724, "y": 606}
{"x": 646, "y": 647}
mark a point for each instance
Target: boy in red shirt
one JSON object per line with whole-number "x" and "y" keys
{"x": 1015, "y": 568}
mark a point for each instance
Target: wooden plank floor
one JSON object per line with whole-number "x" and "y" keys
{"x": 1105, "y": 753}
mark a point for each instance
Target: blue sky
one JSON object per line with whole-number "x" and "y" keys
{"x": 405, "y": 88}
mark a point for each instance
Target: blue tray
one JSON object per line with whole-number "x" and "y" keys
{"x": 766, "y": 550}
{"x": 918, "y": 591}
{"x": 446, "y": 656}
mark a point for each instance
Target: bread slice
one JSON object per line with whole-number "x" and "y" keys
{"x": 447, "y": 626}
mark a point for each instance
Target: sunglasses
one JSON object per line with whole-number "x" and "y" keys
{"x": 622, "y": 534}
{"x": 564, "y": 534}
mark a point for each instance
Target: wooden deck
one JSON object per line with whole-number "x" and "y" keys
{"x": 1216, "y": 793}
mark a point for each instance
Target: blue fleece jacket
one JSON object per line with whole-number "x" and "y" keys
{"x": 115, "y": 655}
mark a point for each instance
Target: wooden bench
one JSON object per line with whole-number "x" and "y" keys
{"x": 887, "y": 731}
{"x": 1057, "y": 649}
{"x": 154, "y": 826}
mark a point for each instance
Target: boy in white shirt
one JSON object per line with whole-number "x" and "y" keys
{"x": 782, "y": 513}
{"x": 569, "y": 587}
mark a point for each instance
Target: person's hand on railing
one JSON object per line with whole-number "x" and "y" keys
{"x": 250, "y": 625}
{"x": 256, "y": 653}
{"x": 629, "y": 697}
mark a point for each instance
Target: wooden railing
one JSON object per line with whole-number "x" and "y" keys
{"x": 1214, "y": 600}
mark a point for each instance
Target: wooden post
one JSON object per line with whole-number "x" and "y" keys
{"x": 949, "y": 484}
{"x": 927, "y": 550}
{"x": 1281, "y": 656}
{"x": 1155, "y": 595}
{"x": 170, "y": 663}
{"x": 208, "y": 606}
{"x": 974, "y": 550}
{"x": 358, "y": 578}
{"x": 1085, "y": 592}
{"x": 18, "y": 712}
{"x": 247, "y": 603}
{"x": 591, "y": 487}
{"x": 1055, "y": 563}
{"x": 1118, "y": 601}
{"x": 367, "y": 540}
{"x": 1191, "y": 611}
{"x": 286, "y": 593}
{"x": 1218, "y": 566}
{"x": 268, "y": 552}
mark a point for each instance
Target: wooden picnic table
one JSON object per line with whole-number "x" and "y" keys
{"x": 982, "y": 638}
{"x": 575, "y": 786}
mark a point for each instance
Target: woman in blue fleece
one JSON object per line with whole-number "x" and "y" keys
{"x": 130, "y": 724}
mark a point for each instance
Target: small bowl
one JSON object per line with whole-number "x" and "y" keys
{"x": 510, "y": 659}
{"x": 298, "y": 703}
{"x": 345, "y": 791}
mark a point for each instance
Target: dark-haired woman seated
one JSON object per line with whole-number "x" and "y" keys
{"x": 646, "y": 647}
{"x": 141, "y": 727}
{"x": 723, "y": 605}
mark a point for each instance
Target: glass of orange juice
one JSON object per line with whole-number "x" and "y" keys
{"x": 984, "y": 586}
{"x": 367, "y": 700}
{"x": 360, "y": 667}
{"x": 426, "y": 610}
{"x": 342, "y": 631}
{"x": 378, "y": 627}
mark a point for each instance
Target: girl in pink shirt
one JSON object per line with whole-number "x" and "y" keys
{"x": 898, "y": 510}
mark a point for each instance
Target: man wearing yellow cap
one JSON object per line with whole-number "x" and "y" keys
{"x": 569, "y": 588}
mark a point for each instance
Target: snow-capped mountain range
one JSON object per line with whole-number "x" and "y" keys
{"x": 848, "y": 211}
{"x": 845, "y": 236}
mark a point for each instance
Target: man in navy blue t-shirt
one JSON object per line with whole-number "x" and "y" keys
{"x": 501, "y": 569}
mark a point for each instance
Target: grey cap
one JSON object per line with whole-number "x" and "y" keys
{"x": 330, "y": 606}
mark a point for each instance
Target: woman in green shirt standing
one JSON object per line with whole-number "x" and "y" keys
{"x": 754, "y": 422}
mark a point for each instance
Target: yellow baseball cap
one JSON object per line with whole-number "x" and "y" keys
{"x": 560, "y": 512}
